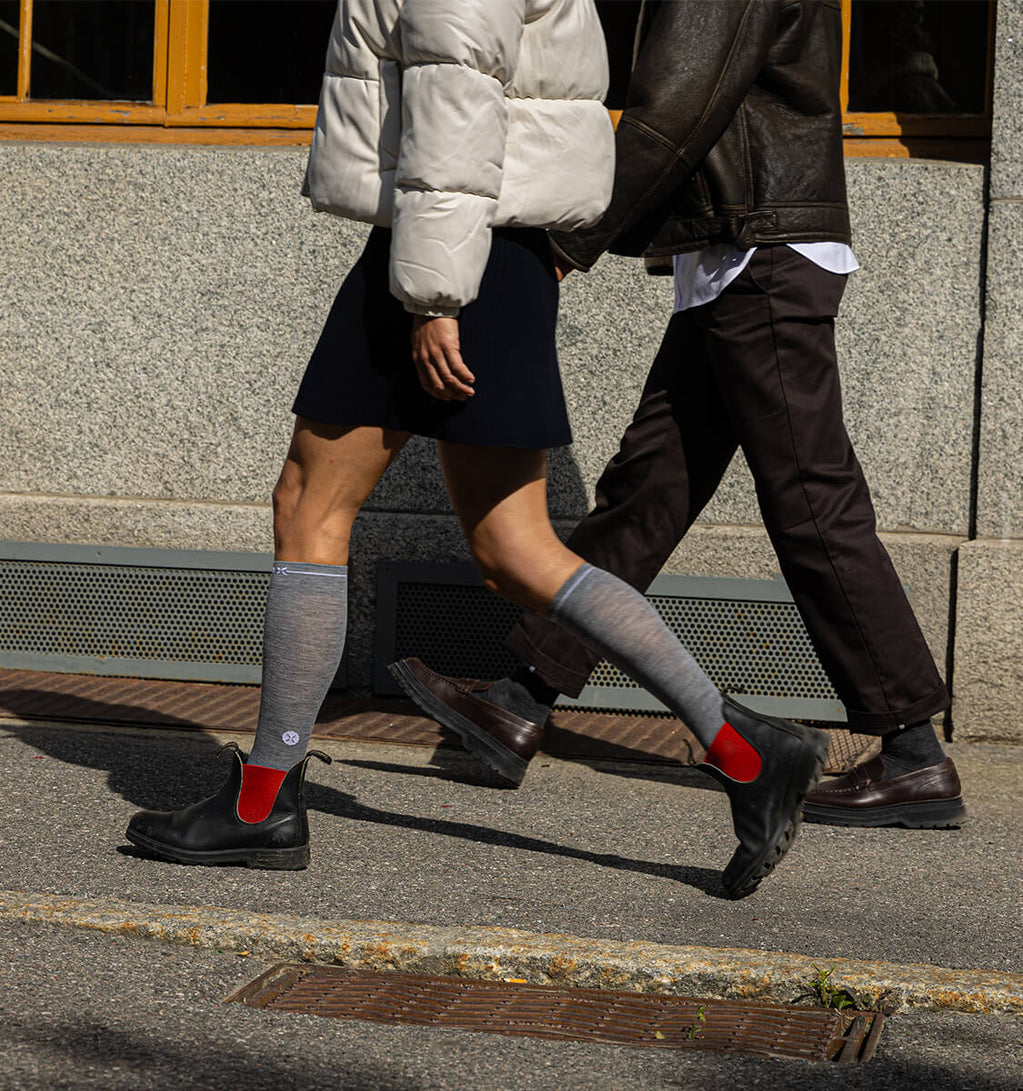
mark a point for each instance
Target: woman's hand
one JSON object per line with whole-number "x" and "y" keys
{"x": 438, "y": 360}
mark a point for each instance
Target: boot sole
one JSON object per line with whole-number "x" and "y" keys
{"x": 507, "y": 765}
{"x": 294, "y": 859}
{"x": 941, "y": 814}
{"x": 776, "y": 851}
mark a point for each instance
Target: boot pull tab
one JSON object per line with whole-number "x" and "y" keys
{"x": 325, "y": 758}
{"x": 233, "y": 746}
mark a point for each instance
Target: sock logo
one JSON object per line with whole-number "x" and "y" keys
{"x": 290, "y": 738}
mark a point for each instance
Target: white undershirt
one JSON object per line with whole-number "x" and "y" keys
{"x": 704, "y": 274}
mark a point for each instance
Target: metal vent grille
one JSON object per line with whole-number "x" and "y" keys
{"x": 151, "y": 613}
{"x": 457, "y": 629}
{"x": 560, "y": 1014}
{"x": 743, "y": 645}
{"x": 746, "y": 634}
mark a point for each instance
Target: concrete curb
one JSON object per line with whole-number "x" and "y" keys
{"x": 503, "y": 953}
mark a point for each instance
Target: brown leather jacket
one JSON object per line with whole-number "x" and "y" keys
{"x": 731, "y": 130}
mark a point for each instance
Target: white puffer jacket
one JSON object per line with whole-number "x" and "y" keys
{"x": 445, "y": 118}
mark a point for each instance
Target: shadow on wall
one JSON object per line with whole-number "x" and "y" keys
{"x": 414, "y": 483}
{"x": 567, "y": 496}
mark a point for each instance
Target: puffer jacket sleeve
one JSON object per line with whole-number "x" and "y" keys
{"x": 458, "y": 56}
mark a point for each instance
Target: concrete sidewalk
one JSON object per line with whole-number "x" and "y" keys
{"x": 611, "y": 871}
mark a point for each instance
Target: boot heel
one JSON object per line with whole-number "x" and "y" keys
{"x": 279, "y": 859}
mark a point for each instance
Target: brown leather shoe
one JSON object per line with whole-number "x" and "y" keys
{"x": 926, "y": 799}
{"x": 506, "y": 742}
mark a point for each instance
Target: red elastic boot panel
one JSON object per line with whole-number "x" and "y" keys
{"x": 735, "y": 757}
{"x": 259, "y": 792}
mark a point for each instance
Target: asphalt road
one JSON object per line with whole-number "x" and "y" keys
{"x": 81, "y": 1010}
{"x": 624, "y": 853}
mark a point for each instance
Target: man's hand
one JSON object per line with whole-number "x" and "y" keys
{"x": 438, "y": 360}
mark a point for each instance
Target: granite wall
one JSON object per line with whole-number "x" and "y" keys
{"x": 988, "y": 662}
{"x": 159, "y": 304}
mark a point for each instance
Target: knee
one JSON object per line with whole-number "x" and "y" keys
{"x": 497, "y": 575}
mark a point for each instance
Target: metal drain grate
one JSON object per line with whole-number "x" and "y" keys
{"x": 581, "y": 1015}
{"x": 746, "y": 634}
{"x": 152, "y": 613}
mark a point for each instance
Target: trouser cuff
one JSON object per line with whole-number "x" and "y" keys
{"x": 885, "y": 723}
{"x": 555, "y": 674}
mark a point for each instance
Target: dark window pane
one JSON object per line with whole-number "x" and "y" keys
{"x": 10, "y": 16}
{"x": 918, "y": 56}
{"x": 619, "y": 21}
{"x": 267, "y": 50}
{"x": 92, "y": 49}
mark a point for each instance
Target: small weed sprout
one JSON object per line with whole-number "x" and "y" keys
{"x": 701, "y": 1017}
{"x": 825, "y": 991}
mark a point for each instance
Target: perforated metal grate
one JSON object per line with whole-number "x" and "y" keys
{"x": 459, "y": 630}
{"x": 744, "y": 646}
{"x": 179, "y": 622}
{"x": 747, "y": 635}
{"x": 137, "y": 613}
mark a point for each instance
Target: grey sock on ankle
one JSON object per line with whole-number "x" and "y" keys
{"x": 303, "y": 638}
{"x": 614, "y": 619}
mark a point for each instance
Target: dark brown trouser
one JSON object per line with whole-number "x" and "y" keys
{"x": 756, "y": 369}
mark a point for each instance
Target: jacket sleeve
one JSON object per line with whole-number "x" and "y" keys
{"x": 698, "y": 61}
{"x": 457, "y": 58}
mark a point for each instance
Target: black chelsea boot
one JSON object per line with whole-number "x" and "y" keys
{"x": 211, "y": 832}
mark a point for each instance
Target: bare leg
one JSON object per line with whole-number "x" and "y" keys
{"x": 258, "y": 817}
{"x": 328, "y": 474}
{"x": 500, "y": 497}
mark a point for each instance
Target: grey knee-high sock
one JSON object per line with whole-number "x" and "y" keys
{"x": 303, "y": 638}
{"x": 617, "y": 621}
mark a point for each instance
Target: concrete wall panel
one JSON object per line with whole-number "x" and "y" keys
{"x": 162, "y": 302}
{"x": 988, "y": 675}
{"x": 1007, "y": 134}
{"x": 1000, "y": 477}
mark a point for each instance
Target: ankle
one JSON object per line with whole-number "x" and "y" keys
{"x": 523, "y": 693}
{"x": 537, "y": 688}
{"x": 910, "y": 748}
{"x": 733, "y": 755}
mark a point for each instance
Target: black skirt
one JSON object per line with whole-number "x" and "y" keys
{"x": 361, "y": 371}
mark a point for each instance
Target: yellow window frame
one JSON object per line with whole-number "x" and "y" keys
{"x": 179, "y": 111}
{"x": 896, "y": 125}
{"x": 21, "y": 108}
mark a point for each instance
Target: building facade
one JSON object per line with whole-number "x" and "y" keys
{"x": 163, "y": 282}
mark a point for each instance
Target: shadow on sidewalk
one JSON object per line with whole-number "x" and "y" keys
{"x": 628, "y": 745}
{"x": 156, "y": 774}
